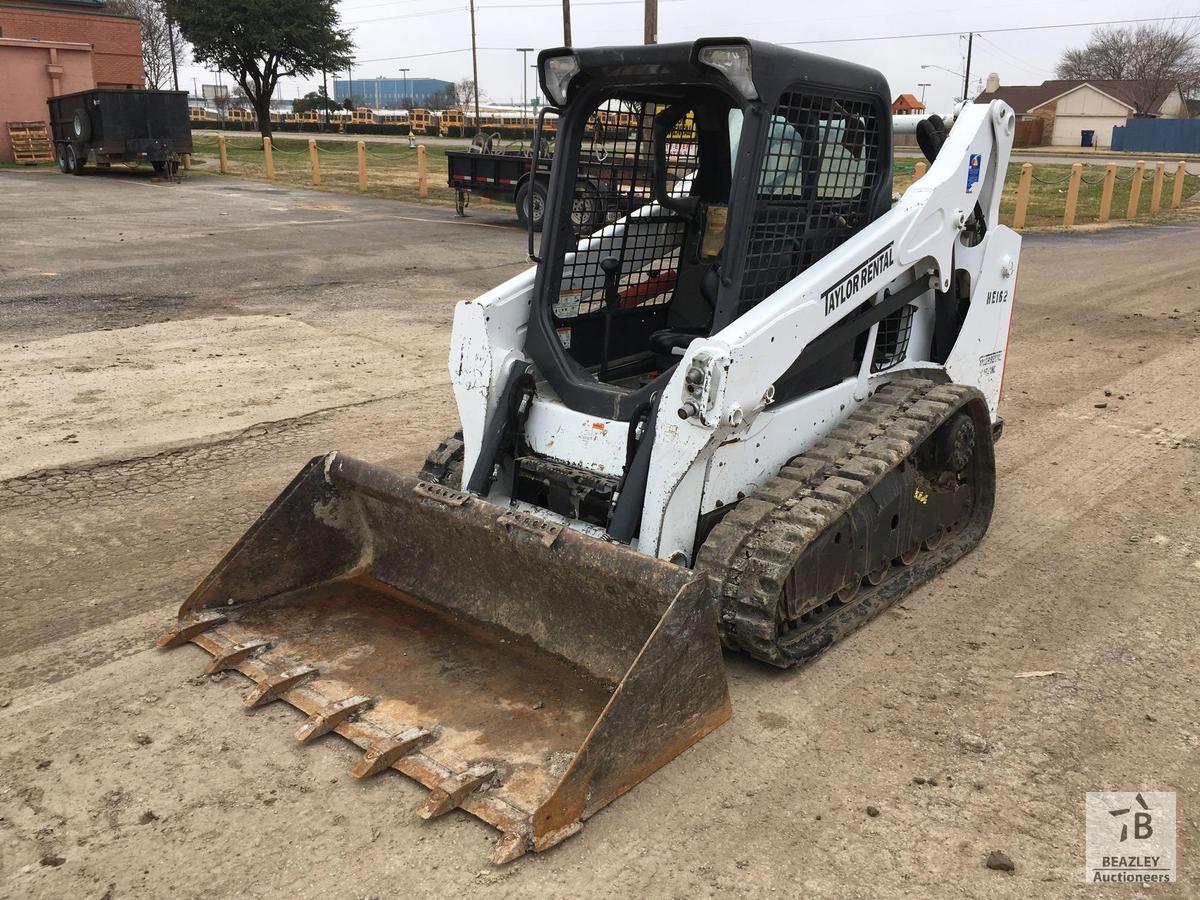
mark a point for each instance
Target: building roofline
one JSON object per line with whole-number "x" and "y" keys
{"x": 83, "y": 10}
{"x": 1085, "y": 83}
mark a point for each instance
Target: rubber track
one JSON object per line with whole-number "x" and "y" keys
{"x": 751, "y": 551}
{"x": 445, "y": 464}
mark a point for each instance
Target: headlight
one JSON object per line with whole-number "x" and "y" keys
{"x": 557, "y": 73}
{"x": 734, "y": 63}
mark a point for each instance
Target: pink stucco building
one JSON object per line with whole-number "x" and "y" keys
{"x": 50, "y": 47}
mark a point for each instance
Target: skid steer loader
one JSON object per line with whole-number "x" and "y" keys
{"x": 745, "y": 399}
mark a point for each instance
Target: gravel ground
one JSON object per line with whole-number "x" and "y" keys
{"x": 172, "y": 354}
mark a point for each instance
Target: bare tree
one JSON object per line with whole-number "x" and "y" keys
{"x": 464, "y": 90}
{"x": 446, "y": 98}
{"x": 156, "y": 39}
{"x": 1157, "y": 56}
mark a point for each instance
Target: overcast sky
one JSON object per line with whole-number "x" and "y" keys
{"x": 386, "y": 30}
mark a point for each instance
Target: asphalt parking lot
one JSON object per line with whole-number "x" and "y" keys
{"x": 172, "y": 354}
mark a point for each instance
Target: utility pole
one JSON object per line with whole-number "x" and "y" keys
{"x": 171, "y": 41}
{"x": 566, "y": 23}
{"x": 406, "y": 100}
{"x": 350, "y": 68}
{"x": 967, "y": 71}
{"x": 651, "y": 21}
{"x": 325, "y": 99}
{"x": 474, "y": 68}
{"x": 922, "y": 85}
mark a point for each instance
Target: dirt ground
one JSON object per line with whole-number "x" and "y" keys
{"x": 170, "y": 355}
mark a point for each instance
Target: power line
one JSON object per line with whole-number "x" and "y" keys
{"x": 423, "y": 55}
{"x": 455, "y": 9}
{"x": 416, "y": 15}
{"x": 1023, "y": 63}
{"x": 896, "y": 37}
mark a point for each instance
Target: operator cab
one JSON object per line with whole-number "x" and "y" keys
{"x": 690, "y": 181}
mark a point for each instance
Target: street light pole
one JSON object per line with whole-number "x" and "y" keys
{"x": 524, "y": 51}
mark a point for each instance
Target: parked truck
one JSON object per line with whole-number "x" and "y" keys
{"x": 116, "y": 125}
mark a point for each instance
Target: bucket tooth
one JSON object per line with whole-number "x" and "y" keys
{"x": 185, "y": 631}
{"x": 510, "y": 846}
{"x": 333, "y": 715}
{"x": 234, "y": 655}
{"x": 277, "y": 684}
{"x": 557, "y": 836}
{"x": 382, "y": 754}
{"x": 454, "y": 790}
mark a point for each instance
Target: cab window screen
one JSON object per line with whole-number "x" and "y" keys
{"x": 615, "y": 181}
{"x": 815, "y": 187}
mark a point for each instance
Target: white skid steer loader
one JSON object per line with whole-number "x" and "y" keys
{"x": 744, "y": 398}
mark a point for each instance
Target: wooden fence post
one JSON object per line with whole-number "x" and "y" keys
{"x": 1135, "y": 190}
{"x": 422, "y": 180}
{"x": 362, "y": 166}
{"x": 224, "y": 153}
{"x": 918, "y": 172}
{"x": 1022, "y": 196}
{"x": 1073, "y": 194}
{"x": 314, "y": 162}
{"x": 270, "y": 159}
{"x": 1160, "y": 169}
{"x": 1110, "y": 178}
{"x": 1177, "y": 193}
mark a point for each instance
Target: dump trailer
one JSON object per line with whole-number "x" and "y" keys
{"x": 116, "y": 125}
{"x": 748, "y": 407}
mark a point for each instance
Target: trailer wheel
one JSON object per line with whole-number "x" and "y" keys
{"x": 159, "y": 166}
{"x": 81, "y": 125}
{"x": 587, "y": 211}
{"x": 531, "y": 204}
{"x": 75, "y": 161}
{"x": 64, "y": 158}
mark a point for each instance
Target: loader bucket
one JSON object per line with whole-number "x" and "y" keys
{"x": 523, "y": 672}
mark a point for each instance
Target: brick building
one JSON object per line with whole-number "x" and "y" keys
{"x": 50, "y": 47}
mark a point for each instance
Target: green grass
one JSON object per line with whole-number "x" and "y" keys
{"x": 1048, "y": 192}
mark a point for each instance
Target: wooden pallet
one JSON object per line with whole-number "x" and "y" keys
{"x": 30, "y": 142}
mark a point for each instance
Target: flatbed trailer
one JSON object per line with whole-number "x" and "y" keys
{"x": 509, "y": 177}
{"x": 499, "y": 176}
